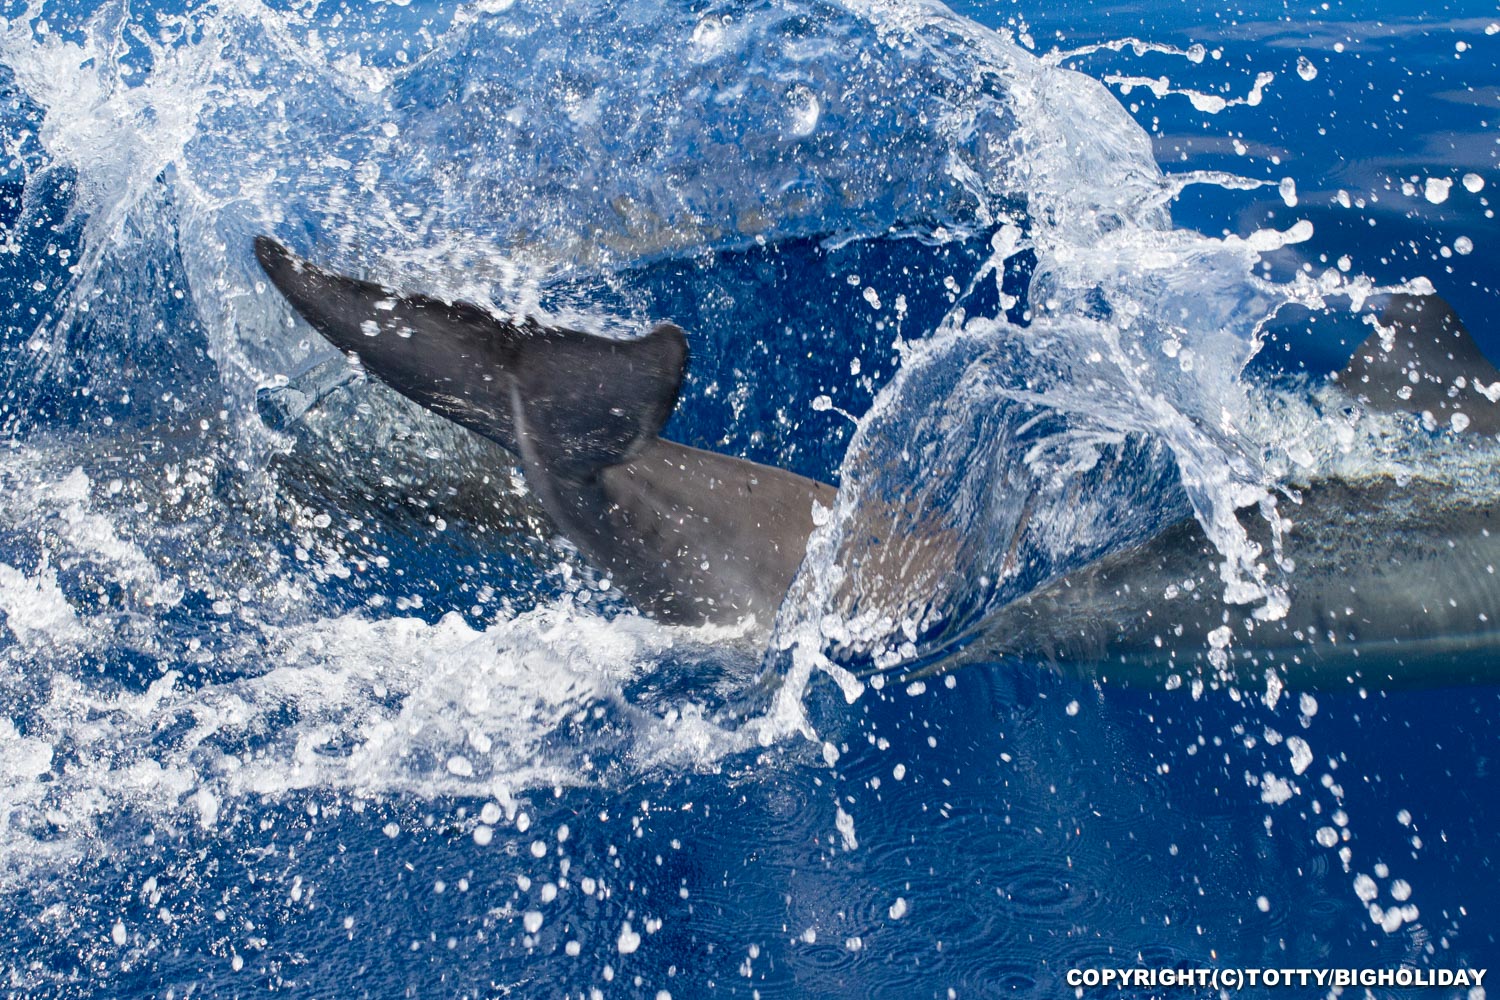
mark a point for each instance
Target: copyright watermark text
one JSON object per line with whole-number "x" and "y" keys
{"x": 1234, "y": 979}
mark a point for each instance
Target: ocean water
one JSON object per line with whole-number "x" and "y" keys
{"x": 299, "y": 696}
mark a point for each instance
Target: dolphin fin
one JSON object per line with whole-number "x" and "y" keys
{"x": 1424, "y": 360}
{"x": 589, "y": 401}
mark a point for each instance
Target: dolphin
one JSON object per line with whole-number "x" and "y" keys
{"x": 1392, "y": 582}
{"x": 695, "y": 537}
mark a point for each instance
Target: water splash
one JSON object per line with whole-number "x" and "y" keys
{"x": 498, "y": 158}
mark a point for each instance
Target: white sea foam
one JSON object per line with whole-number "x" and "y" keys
{"x": 348, "y": 705}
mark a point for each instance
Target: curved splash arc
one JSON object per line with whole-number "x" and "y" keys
{"x": 1118, "y": 409}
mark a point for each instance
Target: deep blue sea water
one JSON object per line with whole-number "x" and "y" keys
{"x": 298, "y": 696}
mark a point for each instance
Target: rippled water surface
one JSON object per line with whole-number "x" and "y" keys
{"x": 298, "y": 693}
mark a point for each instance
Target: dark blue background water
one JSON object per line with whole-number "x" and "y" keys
{"x": 1010, "y": 823}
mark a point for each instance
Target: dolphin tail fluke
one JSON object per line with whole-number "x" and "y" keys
{"x": 1424, "y": 360}
{"x": 567, "y": 402}
{"x": 691, "y": 536}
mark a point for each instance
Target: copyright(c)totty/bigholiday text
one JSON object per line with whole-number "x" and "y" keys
{"x": 1234, "y": 979}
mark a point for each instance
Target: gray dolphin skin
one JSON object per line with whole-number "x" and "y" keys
{"x": 1393, "y": 586}
{"x": 1426, "y": 363}
{"x": 696, "y": 537}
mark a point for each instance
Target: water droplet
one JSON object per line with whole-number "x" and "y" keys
{"x": 803, "y": 111}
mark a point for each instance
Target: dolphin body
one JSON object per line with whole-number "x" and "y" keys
{"x": 694, "y": 537}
